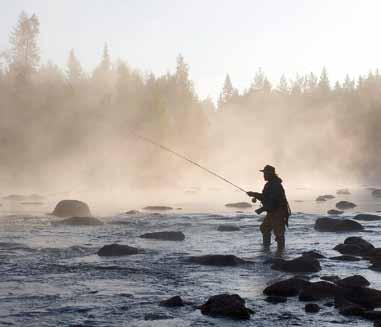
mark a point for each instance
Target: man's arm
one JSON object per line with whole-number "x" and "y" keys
{"x": 256, "y": 195}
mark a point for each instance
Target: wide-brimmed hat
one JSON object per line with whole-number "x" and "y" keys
{"x": 268, "y": 169}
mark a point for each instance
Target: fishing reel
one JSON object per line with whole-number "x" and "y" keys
{"x": 254, "y": 200}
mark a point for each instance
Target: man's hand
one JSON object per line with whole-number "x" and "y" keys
{"x": 253, "y": 194}
{"x": 259, "y": 211}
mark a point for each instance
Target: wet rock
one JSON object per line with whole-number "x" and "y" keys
{"x": 226, "y": 305}
{"x": 276, "y": 299}
{"x": 286, "y": 288}
{"x": 331, "y": 278}
{"x": 337, "y": 225}
{"x": 356, "y": 240}
{"x": 335, "y": 212}
{"x": 352, "y": 310}
{"x": 377, "y": 323}
{"x": 79, "y": 221}
{"x": 71, "y": 208}
{"x": 367, "y": 217}
{"x": 374, "y": 315}
{"x": 158, "y": 208}
{"x": 217, "y": 260}
{"x": 364, "y": 296}
{"x": 343, "y": 205}
{"x": 15, "y": 197}
{"x": 303, "y": 264}
{"x": 353, "y": 282}
{"x": 376, "y": 193}
{"x": 165, "y": 236}
{"x": 355, "y": 246}
{"x": 343, "y": 191}
{"x": 313, "y": 254}
{"x": 347, "y": 258}
{"x": 239, "y": 205}
{"x": 376, "y": 267}
{"x": 228, "y": 228}
{"x": 175, "y": 301}
{"x": 312, "y": 308}
{"x": 156, "y": 316}
{"x": 322, "y": 198}
{"x": 320, "y": 290}
{"x": 114, "y": 250}
{"x": 132, "y": 212}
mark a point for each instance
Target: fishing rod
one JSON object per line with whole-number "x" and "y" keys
{"x": 187, "y": 159}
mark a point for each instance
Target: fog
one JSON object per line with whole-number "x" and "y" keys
{"x": 70, "y": 133}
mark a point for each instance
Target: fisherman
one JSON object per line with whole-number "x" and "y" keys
{"x": 274, "y": 203}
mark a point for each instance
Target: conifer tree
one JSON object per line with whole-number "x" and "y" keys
{"x": 74, "y": 69}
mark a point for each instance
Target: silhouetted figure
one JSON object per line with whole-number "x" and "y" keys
{"x": 274, "y": 202}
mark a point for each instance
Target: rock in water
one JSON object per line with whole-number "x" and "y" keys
{"x": 132, "y": 212}
{"x": 240, "y": 205}
{"x": 303, "y": 264}
{"x": 343, "y": 205}
{"x": 71, "y": 208}
{"x": 355, "y": 246}
{"x": 345, "y": 258}
{"x": 322, "y": 198}
{"x": 79, "y": 221}
{"x": 376, "y": 193}
{"x": 226, "y": 305}
{"x": 165, "y": 236}
{"x": 286, "y": 288}
{"x": 312, "y": 308}
{"x": 276, "y": 299}
{"x": 367, "y": 217}
{"x": 320, "y": 290}
{"x": 114, "y": 250}
{"x": 353, "y": 282}
{"x": 175, "y": 301}
{"x": 228, "y": 228}
{"x": 343, "y": 191}
{"x": 335, "y": 212}
{"x": 158, "y": 208}
{"x": 337, "y": 225}
{"x": 217, "y": 260}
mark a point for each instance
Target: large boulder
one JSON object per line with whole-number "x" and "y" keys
{"x": 353, "y": 282}
{"x": 165, "y": 236}
{"x": 286, "y": 288}
{"x": 240, "y": 205}
{"x": 71, "y": 208}
{"x": 228, "y": 228}
{"x": 326, "y": 224}
{"x": 217, "y": 260}
{"x": 114, "y": 250}
{"x": 303, "y": 264}
{"x": 355, "y": 246}
{"x": 226, "y": 305}
{"x": 376, "y": 193}
{"x": 79, "y": 221}
{"x": 157, "y": 208}
{"x": 367, "y": 217}
{"x": 343, "y": 205}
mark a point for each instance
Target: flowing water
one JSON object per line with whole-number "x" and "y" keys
{"x": 52, "y": 276}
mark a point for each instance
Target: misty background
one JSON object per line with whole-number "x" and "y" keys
{"x": 70, "y": 126}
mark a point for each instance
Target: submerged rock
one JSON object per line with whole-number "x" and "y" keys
{"x": 79, "y": 221}
{"x": 345, "y": 258}
{"x": 343, "y": 191}
{"x": 114, "y": 250}
{"x": 175, "y": 301}
{"x": 240, "y": 205}
{"x": 326, "y": 224}
{"x": 367, "y": 217}
{"x": 226, "y": 305}
{"x": 303, "y": 264}
{"x": 343, "y": 205}
{"x": 165, "y": 236}
{"x": 217, "y": 260}
{"x": 335, "y": 212}
{"x": 228, "y": 228}
{"x": 312, "y": 308}
{"x": 71, "y": 208}
{"x": 286, "y": 288}
{"x": 276, "y": 299}
{"x": 158, "y": 208}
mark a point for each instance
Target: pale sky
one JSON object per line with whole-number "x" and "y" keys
{"x": 216, "y": 37}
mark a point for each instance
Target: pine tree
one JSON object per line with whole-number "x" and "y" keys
{"x": 283, "y": 85}
{"x": 227, "y": 93}
{"x": 259, "y": 80}
{"x": 311, "y": 82}
{"x": 324, "y": 85}
{"x": 74, "y": 69}
{"x": 348, "y": 85}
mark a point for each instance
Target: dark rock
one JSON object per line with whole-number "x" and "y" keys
{"x": 276, "y": 299}
{"x": 175, "y": 301}
{"x": 228, "y": 228}
{"x": 335, "y": 212}
{"x": 303, "y": 264}
{"x": 239, "y": 205}
{"x": 157, "y": 208}
{"x": 360, "y": 242}
{"x": 132, "y": 212}
{"x": 332, "y": 278}
{"x": 374, "y": 315}
{"x": 352, "y": 310}
{"x": 376, "y": 267}
{"x": 376, "y": 193}
{"x": 377, "y": 323}
{"x": 114, "y": 250}
{"x": 353, "y": 281}
{"x": 345, "y": 258}
{"x": 355, "y": 246}
{"x": 165, "y": 236}
{"x": 343, "y": 205}
{"x": 156, "y": 316}
{"x": 79, "y": 221}
{"x": 322, "y": 198}
{"x": 337, "y": 225}
{"x": 313, "y": 254}
{"x": 320, "y": 290}
{"x": 343, "y": 191}
{"x": 364, "y": 296}
{"x": 312, "y": 308}
{"x": 71, "y": 208}
{"x": 217, "y": 260}
{"x": 285, "y": 288}
{"x": 367, "y": 217}
{"x": 226, "y": 305}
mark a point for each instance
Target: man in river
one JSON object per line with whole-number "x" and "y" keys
{"x": 274, "y": 203}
